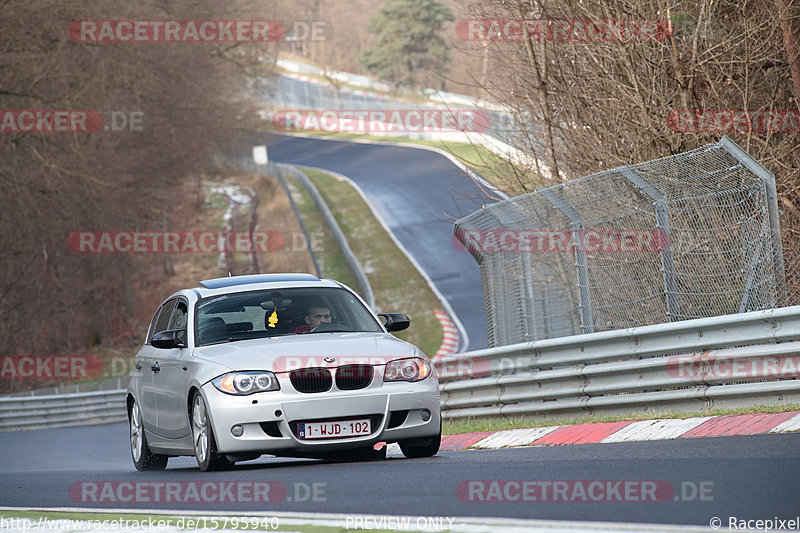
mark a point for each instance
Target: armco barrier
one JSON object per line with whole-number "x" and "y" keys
{"x": 63, "y": 410}
{"x": 283, "y": 170}
{"x": 728, "y": 361}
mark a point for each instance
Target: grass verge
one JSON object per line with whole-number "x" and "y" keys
{"x": 329, "y": 256}
{"x": 474, "y": 425}
{"x": 397, "y": 284}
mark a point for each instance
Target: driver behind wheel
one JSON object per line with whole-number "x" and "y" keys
{"x": 318, "y": 313}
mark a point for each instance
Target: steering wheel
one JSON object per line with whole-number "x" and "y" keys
{"x": 329, "y": 326}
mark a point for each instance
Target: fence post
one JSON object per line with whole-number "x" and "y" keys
{"x": 584, "y": 295}
{"x": 662, "y": 223}
{"x": 768, "y": 178}
{"x": 529, "y": 300}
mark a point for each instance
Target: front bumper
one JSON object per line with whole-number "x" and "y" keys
{"x": 401, "y": 403}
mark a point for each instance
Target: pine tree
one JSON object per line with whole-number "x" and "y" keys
{"x": 409, "y": 47}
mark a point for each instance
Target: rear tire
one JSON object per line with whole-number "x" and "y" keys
{"x": 205, "y": 445}
{"x": 143, "y": 458}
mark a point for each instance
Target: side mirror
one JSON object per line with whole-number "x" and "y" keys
{"x": 395, "y": 321}
{"x": 171, "y": 338}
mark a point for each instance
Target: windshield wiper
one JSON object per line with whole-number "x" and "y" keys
{"x": 234, "y": 338}
{"x": 221, "y": 341}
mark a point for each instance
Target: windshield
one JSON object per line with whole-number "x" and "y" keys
{"x": 272, "y": 313}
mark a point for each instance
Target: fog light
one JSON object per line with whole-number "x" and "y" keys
{"x": 238, "y": 431}
{"x": 425, "y": 415}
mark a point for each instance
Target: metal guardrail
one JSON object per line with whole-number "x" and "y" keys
{"x": 63, "y": 410}
{"x": 107, "y": 407}
{"x": 283, "y": 170}
{"x": 728, "y": 361}
{"x": 117, "y": 383}
{"x": 732, "y": 361}
{"x": 275, "y": 169}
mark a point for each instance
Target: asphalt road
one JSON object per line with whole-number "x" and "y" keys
{"x": 419, "y": 194}
{"x": 754, "y": 477}
{"x": 292, "y": 93}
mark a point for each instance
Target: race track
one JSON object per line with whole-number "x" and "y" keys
{"x": 419, "y": 194}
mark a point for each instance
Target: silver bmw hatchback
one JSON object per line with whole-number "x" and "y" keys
{"x": 280, "y": 364}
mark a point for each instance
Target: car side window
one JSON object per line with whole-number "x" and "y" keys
{"x": 152, "y": 330}
{"x": 177, "y": 319}
{"x": 164, "y": 315}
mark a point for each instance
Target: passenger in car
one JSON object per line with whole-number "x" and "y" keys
{"x": 318, "y": 313}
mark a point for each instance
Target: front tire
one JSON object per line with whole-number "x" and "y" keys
{"x": 361, "y": 454}
{"x": 143, "y": 458}
{"x": 418, "y": 448}
{"x": 205, "y": 445}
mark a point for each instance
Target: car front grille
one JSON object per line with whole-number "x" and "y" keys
{"x": 353, "y": 377}
{"x": 310, "y": 380}
{"x": 348, "y": 377}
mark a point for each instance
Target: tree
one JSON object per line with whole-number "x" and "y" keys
{"x": 592, "y": 101}
{"x": 607, "y": 101}
{"x": 129, "y": 179}
{"x": 409, "y": 47}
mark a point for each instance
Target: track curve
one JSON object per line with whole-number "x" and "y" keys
{"x": 419, "y": 194}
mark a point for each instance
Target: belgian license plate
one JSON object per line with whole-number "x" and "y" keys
{"x": 331, "y": 430}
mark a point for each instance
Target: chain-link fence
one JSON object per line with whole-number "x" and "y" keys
{"x": 691, "y": 235}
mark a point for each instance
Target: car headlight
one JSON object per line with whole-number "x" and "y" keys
{"x": 412, "y": 369}
{"x": 244, "y": 383}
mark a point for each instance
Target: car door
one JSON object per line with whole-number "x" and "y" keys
{"x": 171, "y": 380}
{"x": 146, "y": 360}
